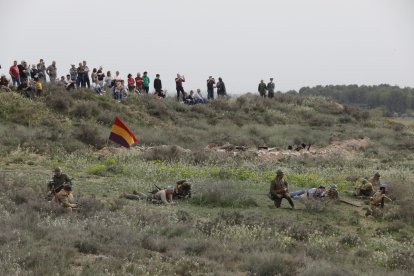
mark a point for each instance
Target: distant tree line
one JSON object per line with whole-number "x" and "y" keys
{"x": 392, "y": 98}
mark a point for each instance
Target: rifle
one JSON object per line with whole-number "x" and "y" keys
{"x": 349, "y": 203}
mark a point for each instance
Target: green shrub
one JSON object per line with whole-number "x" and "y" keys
{"x": 350, "y": 240}
{"x": 106, "y": 168}
{"x": 59, "y": 101}
{"x": 222, "y": 195}
{"x": 85, "y": 109}
{"x": 89, "y": 134}
{"x": 270, "y": 264}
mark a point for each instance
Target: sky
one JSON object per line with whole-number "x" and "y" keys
{"x": 297, "y": 42}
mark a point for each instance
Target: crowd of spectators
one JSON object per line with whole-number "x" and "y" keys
{"x": 29, "y": 81}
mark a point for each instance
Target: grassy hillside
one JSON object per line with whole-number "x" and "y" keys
{"x": 229, "y": 227}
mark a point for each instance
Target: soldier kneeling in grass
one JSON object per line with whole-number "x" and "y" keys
{"x": 377, "y": 200}
{"x": 65, "y": 198}
{"x": 365, "y": 189}
{"x": 56, "y": 184}
{"x": 279, "y": 190}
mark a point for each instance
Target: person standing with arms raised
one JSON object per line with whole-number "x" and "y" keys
{"x": 179, "y": 86}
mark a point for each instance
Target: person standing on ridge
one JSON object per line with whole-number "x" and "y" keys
{"x": 262, "y": 89}
{"x": 14, "y": 73}
{"x": 271, "y": 89}
{"x": 179, "y": 86}
{"x": 210, "y": 87}
{"x": 52, "y": 72}
{"x": 221, "y": 88}
{"x": 158, "y": 86}
{"x": 145, "y": 82}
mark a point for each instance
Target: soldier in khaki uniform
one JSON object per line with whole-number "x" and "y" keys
{"x": 377, "y": 200}
{"x": 65, "y": 198}
{"x": 279, "y": 190}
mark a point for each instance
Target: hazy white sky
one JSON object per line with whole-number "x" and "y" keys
{"x": 298, "y": 42}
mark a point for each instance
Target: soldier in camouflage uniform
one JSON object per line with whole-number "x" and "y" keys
{"x": 56, "y": 184}
{"x": 365, "y": 189}
{"x": 279, "y": 190}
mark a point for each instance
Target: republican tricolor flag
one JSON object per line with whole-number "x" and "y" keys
{"x": 121, "y": 134}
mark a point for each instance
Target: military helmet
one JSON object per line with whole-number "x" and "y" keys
{"x": 377, "y": 174}
{"x": 279, "y": 173}
{"x": 57, "y": 169}
{"x": 364, "y": 180}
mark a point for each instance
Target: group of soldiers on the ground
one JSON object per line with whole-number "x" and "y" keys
{"x": 372, "y": 189}
{"x": 60, "y": 192}
{"x": 167, "y": 195}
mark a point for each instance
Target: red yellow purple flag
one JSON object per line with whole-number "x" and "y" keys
{"x": 120, "y": 134}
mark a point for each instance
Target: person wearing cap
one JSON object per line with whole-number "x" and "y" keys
{"x": 375, "y": 180}
{"x": 271, "y": 88}
{"x": 59, "y": 179}
{"x": 316, "y": 193}
{"x": 377, "y": 200}
{"x": 65, "y": 198}
{"x": 210, "y": 87}
{"x": 332, "y": 193}
{"x": 365, "y": 189}
{"x": 279, "y": 190}
{"x": 164, "y": 196}
{"x": 262, "y": 88}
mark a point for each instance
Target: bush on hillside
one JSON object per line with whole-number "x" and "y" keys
{"x": 86, "y": 109}
{"x": 89, "y": 134}
{"x": 59, "y": 101}
{"x": 223, "y": 194}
